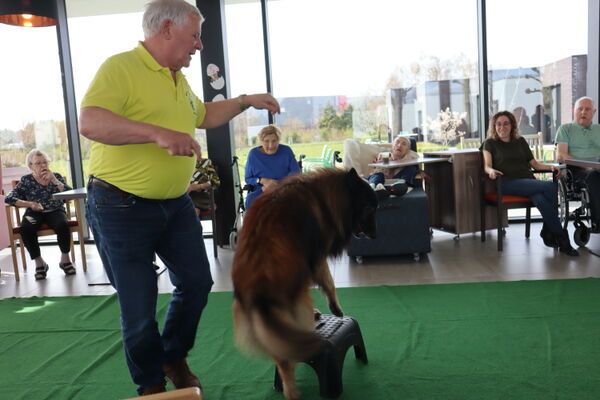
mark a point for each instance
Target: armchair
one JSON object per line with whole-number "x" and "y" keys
{"x": 402, "y": 222}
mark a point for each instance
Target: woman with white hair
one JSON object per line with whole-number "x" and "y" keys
{"x": 268, "y": 163}
{"x": 35, "y": 191}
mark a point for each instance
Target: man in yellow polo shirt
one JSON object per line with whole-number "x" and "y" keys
{"x": 140, "y": 113}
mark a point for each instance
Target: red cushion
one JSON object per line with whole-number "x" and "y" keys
{"x": 205, "y": 213}
{"x": 17, "y": 230}
{"x": 493, "y": 197}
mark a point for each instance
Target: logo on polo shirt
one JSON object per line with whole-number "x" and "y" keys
{"x": 190, "y": 97}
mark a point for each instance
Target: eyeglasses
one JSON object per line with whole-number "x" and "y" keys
{"x": 38, "y": 163}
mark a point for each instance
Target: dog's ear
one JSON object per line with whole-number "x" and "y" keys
{"x": 354, "y": 182}
{"x": 360, "y": 189}
{"x": 351, "y": 178}
{"x": 352, "y": 175}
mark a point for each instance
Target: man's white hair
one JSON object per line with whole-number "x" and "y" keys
{"x": 157, "y": 11}
{"x": 584, "y": 98}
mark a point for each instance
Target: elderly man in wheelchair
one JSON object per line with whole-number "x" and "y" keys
{"x": 580, "y": 139}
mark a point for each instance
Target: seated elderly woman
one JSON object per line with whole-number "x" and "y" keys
{"x": 400, "y": 152}
{"x": 269, "y": 163}
{"x": 35, "y": 191}
{"x": 506, "y": 153}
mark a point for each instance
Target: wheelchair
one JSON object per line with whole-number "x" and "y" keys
{"x": 241, "y": 208}
{"x": 573, "y": 190}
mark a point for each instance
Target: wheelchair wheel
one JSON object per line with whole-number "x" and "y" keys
{"x": 233, "y": 239}
{"x": 581, "y": 235}
{"x": 563, "y": 204}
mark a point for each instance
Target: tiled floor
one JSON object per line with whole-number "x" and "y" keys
{"x": 463, "y": 260}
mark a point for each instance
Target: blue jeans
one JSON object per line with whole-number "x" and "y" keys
{"x": 128, "y": 232}
{"x": 543, "y": 194}
{"x": 407, "y": 173}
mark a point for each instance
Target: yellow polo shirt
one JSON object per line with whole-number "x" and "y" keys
{"x": 135, "y": 86}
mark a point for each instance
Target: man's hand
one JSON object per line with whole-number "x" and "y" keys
{"x": 220, "y": 112}
{"x": 179, "y": 144}
{"x": 263, "y": 102}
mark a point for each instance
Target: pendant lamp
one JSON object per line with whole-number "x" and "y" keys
{"x": 28, "y": 13}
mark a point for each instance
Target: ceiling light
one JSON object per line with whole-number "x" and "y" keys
{"x": 29, "y": 13}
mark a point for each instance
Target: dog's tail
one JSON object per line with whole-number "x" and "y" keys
{"x": 280, "y": 333}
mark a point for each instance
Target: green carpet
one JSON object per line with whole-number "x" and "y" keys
{"x": 502, "y": 340}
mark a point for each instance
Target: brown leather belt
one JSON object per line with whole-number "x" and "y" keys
{"x": 99, "y": 183}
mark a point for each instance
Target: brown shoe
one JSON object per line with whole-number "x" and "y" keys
{"x": 158, "y": 388}
{"x": 180, "y": 375}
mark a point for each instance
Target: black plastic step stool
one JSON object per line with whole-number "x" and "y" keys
{"x": 339, "y": 334}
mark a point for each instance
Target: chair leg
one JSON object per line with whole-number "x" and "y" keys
{"x": 82, "y": 244}
{"x": 23, "y": 258}
{"x": 527, "y": 222}
{"x": 500, "y": 222}
{"x": 72, "y": 246}
{"x": 214, "y": 237}
{"x": 79, "y": 230}
{"x": 482, "y": 222}
{"x": 13, "y": 251}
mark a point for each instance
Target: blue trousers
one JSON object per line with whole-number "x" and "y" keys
{"x": 543, "y": 194}
{"x": 128, "y": 231}
{"x": 407, "y": 173}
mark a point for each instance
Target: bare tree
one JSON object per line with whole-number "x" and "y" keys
{"x": 28, "y": 135}
{"x": 429, "y": 68}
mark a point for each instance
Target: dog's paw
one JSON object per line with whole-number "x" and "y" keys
{"x": 317, "y": 314}
{"x": 291, "y": 394}
{"x": 336, "y": 309}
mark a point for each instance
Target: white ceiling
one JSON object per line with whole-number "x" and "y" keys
{"x": 85, "y": 8}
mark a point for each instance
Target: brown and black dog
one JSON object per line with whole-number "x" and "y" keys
{"x": 282, "y": 251}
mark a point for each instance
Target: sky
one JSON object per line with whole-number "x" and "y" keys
{"x": 318, "y": 47}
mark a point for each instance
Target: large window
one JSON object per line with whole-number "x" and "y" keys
{"x": 89, "y": 50}
{"x": 340, "y": 69}
{"x": 373, "y": 70}
{"x": 247, "y": 71}
{"x": 347, "y": 69}
{"x": 31, "y": 100}
{"x": 537, "y": 56}
{"x": 246, "y": 66}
